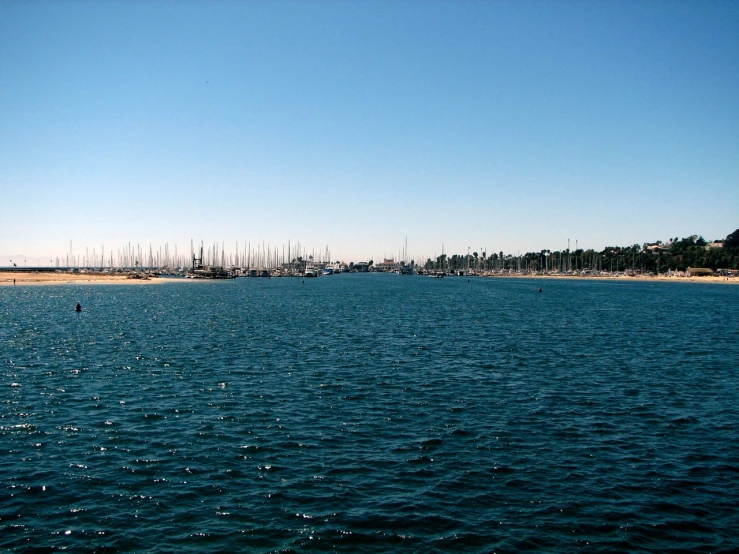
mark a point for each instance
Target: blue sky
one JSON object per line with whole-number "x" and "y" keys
{"x": 513, "y": 126}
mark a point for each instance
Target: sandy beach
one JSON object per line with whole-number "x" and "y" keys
{"x": 636, "y": 278}
{"x": 47, "y": 278}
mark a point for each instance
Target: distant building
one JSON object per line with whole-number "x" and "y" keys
{"x": 388, "y": 264}
{"x": 714, "y": 245}
{"x": 699, "y": 272}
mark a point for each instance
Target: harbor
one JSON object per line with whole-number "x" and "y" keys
{"x": 691, "y": 258}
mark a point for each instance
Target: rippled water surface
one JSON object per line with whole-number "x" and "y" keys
{"x": 370, "y": 413}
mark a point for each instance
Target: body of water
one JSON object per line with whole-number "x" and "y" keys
{"x": 370, "y": 413}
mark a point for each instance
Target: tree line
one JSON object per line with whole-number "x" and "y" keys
{"x": 678, "y": 254}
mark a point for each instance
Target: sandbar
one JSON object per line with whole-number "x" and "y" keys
{"x": 62, "y": 278}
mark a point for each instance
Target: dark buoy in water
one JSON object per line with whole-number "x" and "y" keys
{"x": 539, "y": 290}
{"x": 78, "y": 307}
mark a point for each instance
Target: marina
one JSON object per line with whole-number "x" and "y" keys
{"x": 679, "y": 258}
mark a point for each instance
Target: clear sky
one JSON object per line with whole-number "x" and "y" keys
{"x": 508, "y": 125}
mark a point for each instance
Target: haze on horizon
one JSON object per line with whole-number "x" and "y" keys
{"x": 506, "y": 126}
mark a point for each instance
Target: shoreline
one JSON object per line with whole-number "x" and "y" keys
{"x": 46, "y": 278}
{"x": 9, "y": 278}
{"x": 625, "y": 278}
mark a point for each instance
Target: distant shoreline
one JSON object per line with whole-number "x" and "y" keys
{"x": 626, "y": 278}
{"x": 51, "y": 278}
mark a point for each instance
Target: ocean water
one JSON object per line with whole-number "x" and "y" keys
{"x": 370, "y": 413}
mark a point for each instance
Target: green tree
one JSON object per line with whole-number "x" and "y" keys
{"x": 732, "y": 240}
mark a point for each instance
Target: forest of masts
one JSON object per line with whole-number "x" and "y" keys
{"x": 246, "y": 255}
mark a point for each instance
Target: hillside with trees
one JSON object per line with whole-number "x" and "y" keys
{"x": 677, "y": 254}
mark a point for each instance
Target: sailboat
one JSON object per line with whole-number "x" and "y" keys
{"x": 406, "y": 269}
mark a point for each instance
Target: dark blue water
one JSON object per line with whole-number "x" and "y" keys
{"x": 370, "y": 413}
